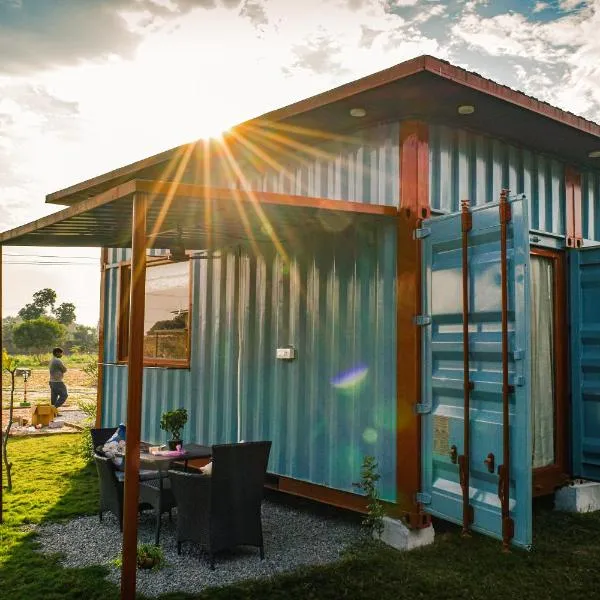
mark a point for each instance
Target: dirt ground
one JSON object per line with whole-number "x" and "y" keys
{"x": 70, "y": 419}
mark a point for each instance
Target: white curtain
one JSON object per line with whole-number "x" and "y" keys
{"x": 542, "y": 360}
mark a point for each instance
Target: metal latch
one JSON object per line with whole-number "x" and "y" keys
{"x": 422, "y": 320}
{"x": 423, "y": 408}
{"x": 421, "y": 233}
{"x": 423, "y": 498}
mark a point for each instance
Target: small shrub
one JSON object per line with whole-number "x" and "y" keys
{"x": 91, "y": 370}
{"x": 368, "y": 484}
{"x": 149, "y": 556}
{"x": 86, "y": 445}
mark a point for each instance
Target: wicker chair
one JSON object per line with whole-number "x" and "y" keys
{"x": 111, "y": 488}
{"x": 223, "y": 510}
{"x": 101, "y": 435}
{"x": 160, "y": 497}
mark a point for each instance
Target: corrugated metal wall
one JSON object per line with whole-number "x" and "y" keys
{"x": 335, "y": 303}
{"x": 590, "y": 206}
{"x": 363, "y": 169}
{"x": 468, "y": 166}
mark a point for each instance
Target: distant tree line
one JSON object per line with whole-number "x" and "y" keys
{"x": 41, "y": 325}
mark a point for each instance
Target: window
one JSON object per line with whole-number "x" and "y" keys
{"x": 166, "y": 318}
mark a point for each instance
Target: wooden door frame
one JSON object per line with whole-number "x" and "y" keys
{"x": 547, "y": 479}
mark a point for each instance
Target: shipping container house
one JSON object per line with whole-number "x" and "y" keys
{"x": 316, "y": 278}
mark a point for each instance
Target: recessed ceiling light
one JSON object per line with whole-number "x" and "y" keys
{"x": 358, "y": 112}
{"x": 466, "y": 109}
{"x": 594, "y": 154}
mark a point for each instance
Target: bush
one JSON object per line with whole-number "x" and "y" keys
{"x": 91, "y": 370}
{"x": 86, "y": 446}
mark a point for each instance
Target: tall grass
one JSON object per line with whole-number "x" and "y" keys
{"x": 42, "y": 360}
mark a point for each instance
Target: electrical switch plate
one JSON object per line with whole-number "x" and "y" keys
{"x": 285, "y": 353}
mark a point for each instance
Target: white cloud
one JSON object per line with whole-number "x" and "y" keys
{"x": 570, "y": 4}
{"x": 540, "y": 6}
{"x": 566, "y": 48}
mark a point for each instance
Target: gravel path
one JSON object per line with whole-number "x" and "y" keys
{"x": 294, "y": 536}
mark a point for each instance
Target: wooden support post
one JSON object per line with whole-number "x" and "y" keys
{"x": 1, "y": 401}
{"x": 414, "y": 206}
{"x": 100, "y": 390}
{"x": 134, "y": 397}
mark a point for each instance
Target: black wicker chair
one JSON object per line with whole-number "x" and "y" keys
{"x": 160, "y": 498}
{"x": 111, "y": 488}
{"x": 101, "y": 435}
{"x": 223, "y": 510}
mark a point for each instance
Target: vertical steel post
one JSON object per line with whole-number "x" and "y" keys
{"x": 464, "y": 461}
{"x": 134, "y": 396}
{"x": 504, "y": 468}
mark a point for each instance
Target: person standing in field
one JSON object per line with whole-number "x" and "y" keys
{"x": 58, "y": 389}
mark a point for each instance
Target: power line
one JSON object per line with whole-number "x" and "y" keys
{"x": 51, "y": 256}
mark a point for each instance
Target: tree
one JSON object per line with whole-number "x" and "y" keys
{"x": 86, "y": 338}
{"x": 9, "y": 365}
{"x": 31, "y": 311}
{"x": 45, "y": 298}
{"x": 65, "y": 313}
{"x": 8, "y": 324}
{"x": 39, "y": 335}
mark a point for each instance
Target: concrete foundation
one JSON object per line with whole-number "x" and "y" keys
{"x": 399, "y": 536}
{"x": 580, "y": 497}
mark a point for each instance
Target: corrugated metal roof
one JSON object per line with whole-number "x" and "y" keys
{"x": 208, "y": 218}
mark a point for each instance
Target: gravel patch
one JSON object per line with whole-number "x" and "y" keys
{"x": 294, "y": 537}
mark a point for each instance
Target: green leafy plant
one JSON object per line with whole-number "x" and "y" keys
{"x": 91, "y": 370}
{"x": 148, "y": 556}
{"x": 86, "y": 445}
{"x": 369, "y": 476}
{"x": 173, "y": 421}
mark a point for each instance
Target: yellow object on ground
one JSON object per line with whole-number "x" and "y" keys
{"x": 43, "y": 414}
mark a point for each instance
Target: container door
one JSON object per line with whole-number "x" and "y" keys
{"x": 584, "y": 266}
{"x": 442, "y": 405}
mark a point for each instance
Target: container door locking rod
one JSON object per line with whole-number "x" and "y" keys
{"x": 504, "y": 468}
{"x": 464, "y": 459}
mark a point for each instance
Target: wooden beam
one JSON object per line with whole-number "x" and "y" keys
{"x": 414, "y": 206}
{"x": 134, "y": 397}
{"x": 189, "y": 191}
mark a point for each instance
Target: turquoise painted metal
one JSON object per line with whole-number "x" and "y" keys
{"x": 334, "y": 302}
{"x": 442, "y": 361}
{"x": 585, "y": 361}
{"x": 464, "y": 165}
{"x": 365, "y": 168}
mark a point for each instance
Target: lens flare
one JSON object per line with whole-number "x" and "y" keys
{"x": 370, "y": 435}
{"x": 351, "y": 379}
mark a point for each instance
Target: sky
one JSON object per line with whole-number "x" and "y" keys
{"x": 87, "y": 86}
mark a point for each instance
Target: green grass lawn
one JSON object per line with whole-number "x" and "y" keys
{"x": 52, "y": 483}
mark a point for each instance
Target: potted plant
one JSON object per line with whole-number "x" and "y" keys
{"x": 173, "y": 421}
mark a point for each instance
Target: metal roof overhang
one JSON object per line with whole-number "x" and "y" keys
{"x": 208, "y": 218}
{"x": 423, "y": 88}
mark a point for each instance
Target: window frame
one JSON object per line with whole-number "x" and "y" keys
{"x": 546, "y": 479}
{"x": 123, "y": 316}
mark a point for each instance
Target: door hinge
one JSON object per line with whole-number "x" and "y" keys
{"x": 422, "y": 320}
{"x": 421, "y": 233}
{"x": 423, "y": 408}
{"x": 423, "y": 498}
